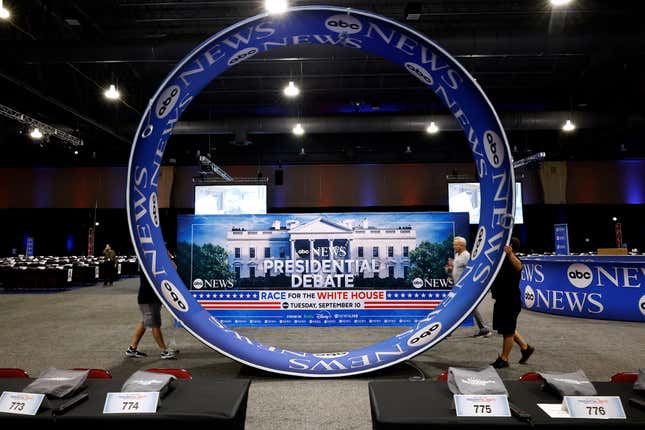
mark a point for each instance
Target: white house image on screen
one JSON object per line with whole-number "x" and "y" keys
{"x": 390, "y": 247}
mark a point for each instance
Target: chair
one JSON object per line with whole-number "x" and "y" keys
{"x": 12, "y": 372}
{"x": 96, "y": 373}
{"x": 530, "y": 376}
{"x": 177, "y": 373}
{"x": 443, "y": 376}
{"x": 624, "y": 377}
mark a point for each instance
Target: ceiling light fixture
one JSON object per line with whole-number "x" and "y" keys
{"x": 4, "y": 12}
{"x": 276, "y": 6}
{"x": 298, "y": 130}
{"x": 557, "y": 3}
{"x": 432, "y": 128}
{"x": 36, "y": 134}
{"x": 568, "y": 126}
{"x": 291, "y": 90}
{"x": 112, "y": 93}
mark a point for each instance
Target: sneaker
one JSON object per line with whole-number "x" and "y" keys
{"x": 168, "y": 354}
{"x": 483, "y": 333}
{"x": 499, "y": 363}
{"x": 526, "y": 353}
{"x": 131, "y": 352}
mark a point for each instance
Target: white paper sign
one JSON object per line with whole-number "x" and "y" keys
{"x": 554, "y": 410}
{"x": 20, "y": 403}
{"x": 594, "y": 407}
{"x": 131, "y": 403}
{"x": 482, "y": 405}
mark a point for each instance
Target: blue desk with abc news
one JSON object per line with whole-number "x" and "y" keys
{"x": 215, "y": 403}
{"x": 598, "y": 287}
{"x": 403, "y": 404}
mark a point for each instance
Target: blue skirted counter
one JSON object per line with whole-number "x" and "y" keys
{"x": 601, "y": 287}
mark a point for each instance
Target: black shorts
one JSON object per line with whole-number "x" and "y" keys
{"x": 505, "y": 317}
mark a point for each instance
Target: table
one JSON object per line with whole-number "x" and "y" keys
{"x": 218, "y": 403}
{"x": 421, "y": 404}
{"x": 599, "y": 287}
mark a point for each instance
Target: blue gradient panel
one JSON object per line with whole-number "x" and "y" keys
{"x": 70, "y": 243}
{"x": 634, "y": 178}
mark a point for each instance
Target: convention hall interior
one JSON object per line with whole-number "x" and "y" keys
{"x": 336, "y": 138}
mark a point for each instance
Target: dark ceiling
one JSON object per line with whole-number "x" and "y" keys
{"x": 538, "y": 66}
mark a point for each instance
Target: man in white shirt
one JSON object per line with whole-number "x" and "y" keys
{"x": 462, "y": 256}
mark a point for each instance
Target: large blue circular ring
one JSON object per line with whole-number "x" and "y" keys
{"x": 353, "y": 29}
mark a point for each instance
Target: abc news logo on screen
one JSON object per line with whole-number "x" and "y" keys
{"x": 212, "y": 284}
{"x": 431, "y": 283}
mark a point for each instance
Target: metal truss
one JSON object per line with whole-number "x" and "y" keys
{"x": 44, "y": 128}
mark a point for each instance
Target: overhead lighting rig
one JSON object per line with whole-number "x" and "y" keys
{"x": 530, "y": 159}
{"x": 206, "y": 167}
{"x": 42, "y": 128}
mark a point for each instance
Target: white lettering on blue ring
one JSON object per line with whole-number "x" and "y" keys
{"x": 376, "y": 35}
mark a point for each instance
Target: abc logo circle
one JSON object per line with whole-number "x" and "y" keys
{"x": 529, "y": 297}
{"x": 343, "y": 23}
{"x": 330, "y": 354}
{"x": 242, "y": 55}
{"x": 285, "y": 305}
{"x": 479, "y": 243}
{"x": 641, "y": 305}
{"x": 154, "y": 209}
{"x": 198, "y": 284}
{"x": 425, "y": 335}
{"x": 420, "y": 73}
{"x": 579, "y": 275}
{"x": 494, "y": 148}
{"x": 167, "y": 100}
{"x": 417, "y": 283}
{"x": 173, "y": 296}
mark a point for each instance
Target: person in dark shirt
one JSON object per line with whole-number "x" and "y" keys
{"x": 150, "y": 307}
{"x": 508, "y": 303}
{"x": 109, "y": 265}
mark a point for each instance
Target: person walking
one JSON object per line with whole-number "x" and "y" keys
{"x": 459, "y": 262}
{"x": 508, "y": 304}
{"x": 110, "y": 263}
{"x": 150, "y": 307}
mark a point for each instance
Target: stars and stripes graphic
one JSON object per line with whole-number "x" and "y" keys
{"x": 234, "y": 300}
{"x": 240, "y": 300}
{"x": 407, "y": 300}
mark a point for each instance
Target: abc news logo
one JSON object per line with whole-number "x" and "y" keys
{"x": 480, "y": 241}
{"x": 494, "y": 148}
{"x": 343, "y": 23}
{"x": 579, "y": 275}
{"x": 212, "y": 284}
{"x": 529, "y": 297}
{"x": 420, "y": 73}
{"x": 242, "y": 55}
{"x": 425, "y": 335}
